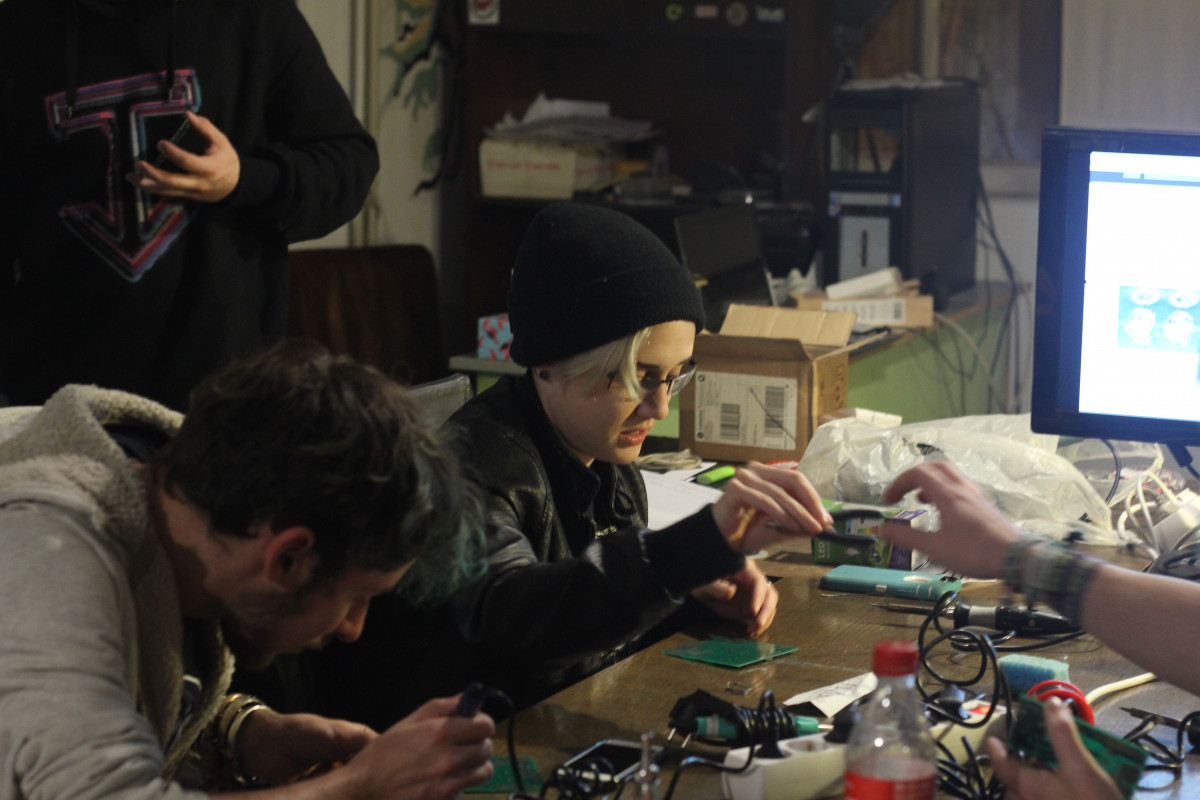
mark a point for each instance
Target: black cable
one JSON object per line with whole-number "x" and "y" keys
{"x": 963, "y": 640}
{"x": 989, "y": 225}
{"x": 496, "y": 694}
{"x": 699, "y": 761}
{"x": 1117, "y": 471}
{"x": 959, "y": 371}
{"x": 1182, "y": 457}
{"x": 995, "y": 640}
{"x": 1166, "y": 758}
{"x": 962, "y": 780}
{"x": 966, "y": 780}
{"x": 762, "y": 726}
{"x": 767, "y": 725}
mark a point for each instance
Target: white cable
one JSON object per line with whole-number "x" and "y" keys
{"x": 1148, "y": 538}
{"x": 942, "y": 319}
{"x": 664, "y": 462}
{"x": 1101, "y": 692}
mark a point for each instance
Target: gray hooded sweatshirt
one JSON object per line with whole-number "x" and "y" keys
{"x": 91, "y": 636}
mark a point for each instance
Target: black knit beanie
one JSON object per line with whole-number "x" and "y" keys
{"x": 586, "y": 276}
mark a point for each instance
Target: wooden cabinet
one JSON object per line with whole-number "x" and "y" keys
{"x": 727, "y": 82}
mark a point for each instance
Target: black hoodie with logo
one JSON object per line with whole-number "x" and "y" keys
{"x": 103, "y": 283}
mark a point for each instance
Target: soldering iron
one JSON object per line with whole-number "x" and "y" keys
{"x": 1021, "y": 620}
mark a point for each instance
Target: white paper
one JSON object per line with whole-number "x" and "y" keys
{"x": 685, "y": 474}
{"x": 836, "y": 696}
{"x": 571, "y": 120}
{"x": 671, "y": 499}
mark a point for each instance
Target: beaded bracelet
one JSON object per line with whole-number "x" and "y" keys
{"x": 1050, "y": 572}
{"x": 1070, "y": 596}
{"x": 1044, "y": 569}
{"x": 1014, "y": 560}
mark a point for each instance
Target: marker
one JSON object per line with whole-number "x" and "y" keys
{"x": 715, "y": 475}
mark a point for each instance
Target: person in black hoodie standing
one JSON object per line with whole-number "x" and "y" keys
{"x": 135, "y": 263}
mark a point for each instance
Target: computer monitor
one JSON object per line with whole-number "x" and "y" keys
{"x": 1117, "y": 314}
{"x": 723, "y": 246}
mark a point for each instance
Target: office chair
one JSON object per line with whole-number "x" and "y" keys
{"x": 378, "y": 304}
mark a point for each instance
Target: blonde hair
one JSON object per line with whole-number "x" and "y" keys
{"x": 617, "y": 359}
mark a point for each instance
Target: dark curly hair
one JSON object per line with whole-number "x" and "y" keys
{"x": 297, "y": 436}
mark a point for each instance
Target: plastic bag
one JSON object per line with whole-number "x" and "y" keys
{"x": 1020, "y": 471}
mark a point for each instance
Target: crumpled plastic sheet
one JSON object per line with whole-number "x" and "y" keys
{"x": 1019, "y": 470}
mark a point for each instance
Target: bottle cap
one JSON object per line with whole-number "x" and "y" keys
{"x": 894, "y": 657}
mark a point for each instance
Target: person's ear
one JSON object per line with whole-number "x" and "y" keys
{"x": 291, "y": 556}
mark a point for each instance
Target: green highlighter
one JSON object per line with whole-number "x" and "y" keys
{"x": 715, "y": 475}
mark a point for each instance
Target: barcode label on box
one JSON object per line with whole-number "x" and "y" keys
{"x": 872, "y": 313}
{"x": 749, "y": 410}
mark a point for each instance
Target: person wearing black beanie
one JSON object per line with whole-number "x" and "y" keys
{"x": 586, "y": 276}
{"x": 604, "y": 318}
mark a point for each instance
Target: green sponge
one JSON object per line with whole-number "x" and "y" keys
{"x": 1024, "y": 672}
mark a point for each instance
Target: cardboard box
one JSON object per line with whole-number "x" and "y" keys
{"x": 494, "y": 337}
{"x": 910, "y": 310}
{"x": 764, "y": 382}
{"x": 544, "y": 170}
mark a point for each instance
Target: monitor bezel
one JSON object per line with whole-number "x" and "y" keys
{"x": 1058, "y": 309}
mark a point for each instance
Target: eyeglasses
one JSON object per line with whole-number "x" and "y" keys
{"x": 648, "y": 386}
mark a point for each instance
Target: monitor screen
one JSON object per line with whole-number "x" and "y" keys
{"x": 1117, "y": 316}
{"x": 723, "y": 246}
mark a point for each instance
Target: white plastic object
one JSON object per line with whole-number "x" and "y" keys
{"x": 812, "y": 767}
{"x": 1184, "y": 520}
{"x": 886, "y": 282}
{"x": 1018, "y": 470}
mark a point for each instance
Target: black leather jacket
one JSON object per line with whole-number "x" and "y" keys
{"x": 574, "y": 582}
{"x": 573, "y": 572}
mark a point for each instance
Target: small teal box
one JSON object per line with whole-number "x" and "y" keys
{"x": 494, "y": 337}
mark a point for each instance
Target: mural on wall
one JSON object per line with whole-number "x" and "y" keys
{"x": 415, "y": 50}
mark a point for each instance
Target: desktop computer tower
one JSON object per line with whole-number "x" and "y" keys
{"x": 902, "y": 165}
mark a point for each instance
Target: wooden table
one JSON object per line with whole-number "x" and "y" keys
{"x": 834, "y": 634}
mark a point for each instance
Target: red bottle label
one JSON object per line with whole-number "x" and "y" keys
{"x": 864, "y": 787}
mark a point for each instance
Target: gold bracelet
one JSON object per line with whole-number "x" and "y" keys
{"x": 235, "y": 727}
{"x": 231, "y": 715}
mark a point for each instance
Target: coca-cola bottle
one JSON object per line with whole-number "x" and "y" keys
{"x": 890, "y": 754}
